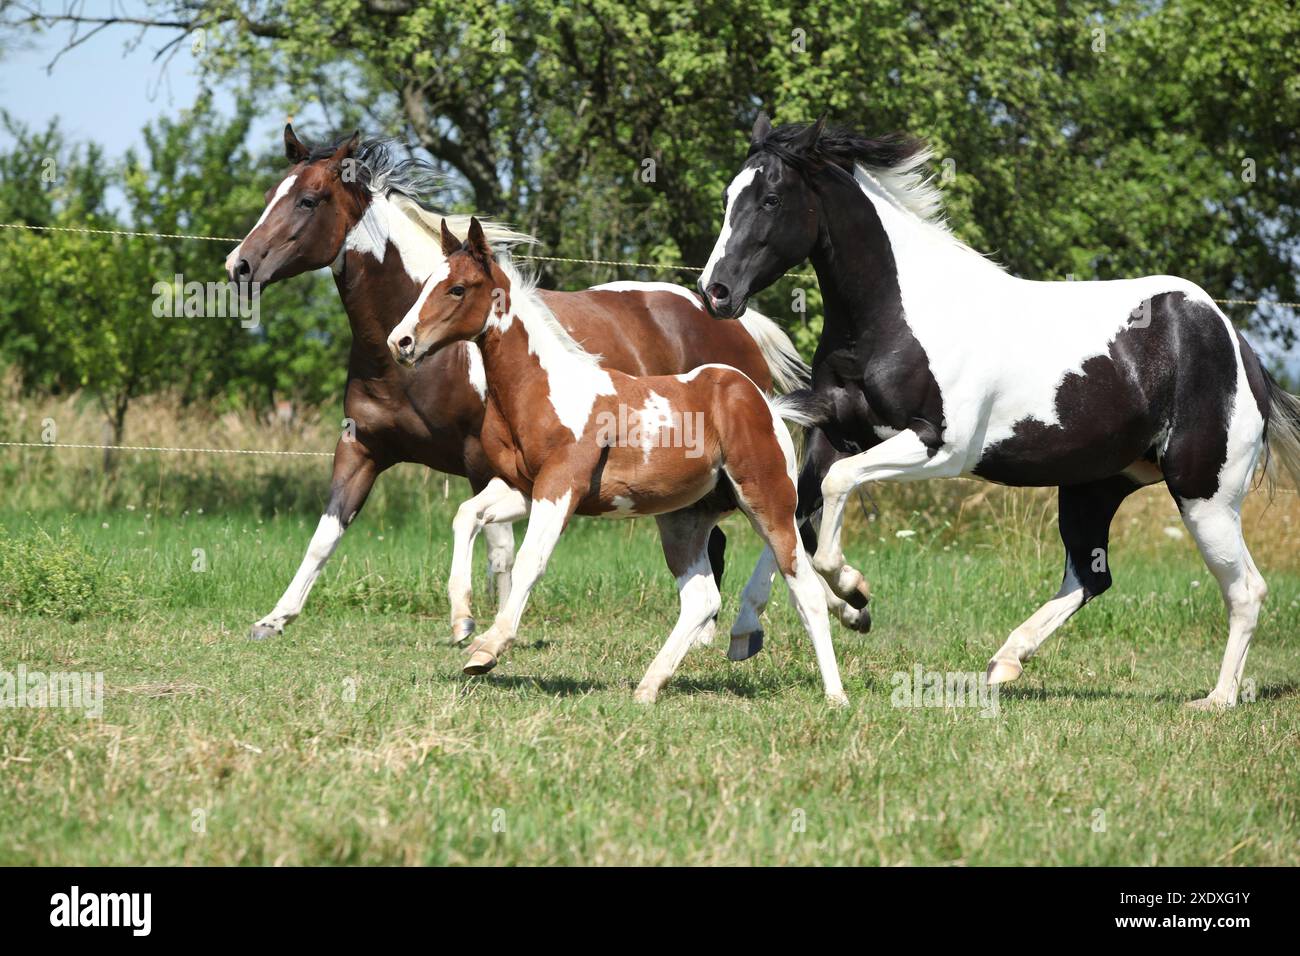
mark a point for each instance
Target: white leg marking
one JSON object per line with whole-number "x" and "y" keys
{"x": 1029, "y": 636}
{"x": 1216, "y": 526}
{"x": 498, "y": 502}
{"x": 700, "y": 603}
{"x": 545, "y": 525}
{"x": 809, "y": 600}
{"x": 501, "y": 553}
{"x": 902, "y": 458}
{"x": 328, "y": 532}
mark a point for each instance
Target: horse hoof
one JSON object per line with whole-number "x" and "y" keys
{"x": 859, "y": 620}
{"x": 462, "y": 630}
{"x": 1003, "y": 672}
{"x": 838, "y": 700}
{"x": 645, "y": 695}
{"x": 1210, "y": 703}
{"x": 480, "y": 662}
{"x": 745, "y": 646}
{"x": 261, "y": 632}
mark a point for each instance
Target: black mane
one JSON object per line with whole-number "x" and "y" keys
{"x": 839, "y": 146}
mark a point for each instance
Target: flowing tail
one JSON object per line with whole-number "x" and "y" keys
{"x": 789, "y": 372}
{"x": 805, "y": 408}
{"x": 1282, "y": 436}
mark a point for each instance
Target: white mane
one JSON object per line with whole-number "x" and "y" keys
{"x": 545, "y": 333}
{"x": 910, "y": 188}
{"x": 499, "y": 235}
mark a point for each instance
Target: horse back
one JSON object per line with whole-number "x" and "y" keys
{"x": 652, "y": 332}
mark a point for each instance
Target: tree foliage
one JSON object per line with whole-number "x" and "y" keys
{"x": 82, "y": 310}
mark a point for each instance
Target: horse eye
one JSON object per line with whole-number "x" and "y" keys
{"x": 771, "y": 200}
{"x": 456, "y": 290}
{"x": 307, "y": 202}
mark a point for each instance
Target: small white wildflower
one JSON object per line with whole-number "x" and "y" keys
{"x": 905, "y": 533}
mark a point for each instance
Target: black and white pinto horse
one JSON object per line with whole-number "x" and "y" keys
{"x": 936, "y": 363}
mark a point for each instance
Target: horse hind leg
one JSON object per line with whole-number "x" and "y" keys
{"x": 747, "y": 632}
{"x": 1085, "y": 514}
{"x": 1215, "y": 524}
{"x": 768, "y": 500}
{"x": 685, "y": 536}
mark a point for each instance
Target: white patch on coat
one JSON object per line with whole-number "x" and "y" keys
{"x": 633, "y": 286}
{"x": 1000, "y": 347}
{"x": 623, "y": 505}
{"x": 738, "y": 185}
{"x": 573, "y": 375}
{"x": 477, "y": 375}
{"x": 280, "y": 193}
{"x": 691, "y": 375}
{"x": 652, "y": 419}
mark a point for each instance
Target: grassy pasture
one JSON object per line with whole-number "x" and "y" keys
{"x": 354, "y": 739}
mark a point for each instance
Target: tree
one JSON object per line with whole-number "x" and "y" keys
{"x": 124, "y": 316}
{"x": 1074, "y": 138}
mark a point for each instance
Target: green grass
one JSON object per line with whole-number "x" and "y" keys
{"x": 354, "y": 739}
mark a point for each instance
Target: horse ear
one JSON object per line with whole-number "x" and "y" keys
{"x": 809, "y": 137}
{"x": 450, "y": 244}
{"x": 762, "y": 127}
{"x": 477, "y": 241}
{"x": 346, "y": 150}
{"x": 294, "y": 149}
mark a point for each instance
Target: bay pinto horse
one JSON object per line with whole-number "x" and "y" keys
{"x": 357, "y": 208}
{"x": 566, "y": 435}
{"x": 934, "y": 362}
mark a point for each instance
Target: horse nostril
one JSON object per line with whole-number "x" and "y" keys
{"x": 405, "y": 343}
{"x": 718, "y": 292}
{"x": 242, "y": 269}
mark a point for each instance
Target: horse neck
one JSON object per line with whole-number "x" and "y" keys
{"x": 520, "y": 348}
{"x": 854, "y": 264}
{"x": 380, "y": 270}
{"x": 864, "y": 262}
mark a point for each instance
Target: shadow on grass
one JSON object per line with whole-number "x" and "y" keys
{"x": 550, "y": 686}
{"x": 1077, "y": 693}
{"x": 1268, "y": 692}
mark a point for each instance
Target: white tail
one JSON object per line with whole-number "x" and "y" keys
{"x": 789, "y": 371}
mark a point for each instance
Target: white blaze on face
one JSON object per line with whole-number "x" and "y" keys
{"x": 738, "y": 186}
{"x": 412, "y": 318}
{"x": 280, "y": 193}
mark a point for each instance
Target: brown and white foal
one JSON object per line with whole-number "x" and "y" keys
{"x": 576, "y": 438}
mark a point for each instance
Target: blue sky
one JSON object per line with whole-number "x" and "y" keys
{"x": 103, "y": 90}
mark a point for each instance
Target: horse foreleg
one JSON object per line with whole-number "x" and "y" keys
{"x": 903, "y": 457}
{"x": 355, "y": 472}
{"x": 498, "y": 502}
{"x": 549, "y": 513}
